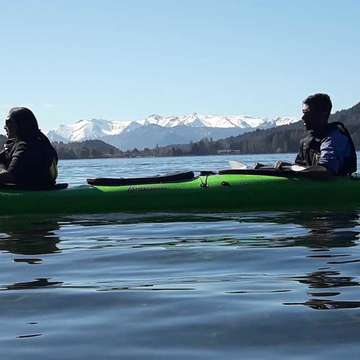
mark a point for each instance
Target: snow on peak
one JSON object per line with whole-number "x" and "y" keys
{"x": 99, "y": 128}
{"x": 198, "y": 120}
{"x": 284, "y": 120}
{"x": 88, "y": 129}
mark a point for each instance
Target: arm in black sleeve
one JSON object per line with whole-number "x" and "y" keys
{"x": 3, "y": 160}
{"x": 19, "y": 162}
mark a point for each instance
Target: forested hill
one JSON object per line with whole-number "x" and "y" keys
{"x": 89, "y": 149}
{"x": 351, "y": 118}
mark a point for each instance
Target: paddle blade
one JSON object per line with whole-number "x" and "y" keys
{"x": 237, "y": 165}
{"x": 297, "y": 167}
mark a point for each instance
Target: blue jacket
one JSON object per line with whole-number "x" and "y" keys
{"x": 334, "y": 150}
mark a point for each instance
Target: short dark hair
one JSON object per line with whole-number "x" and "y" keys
{"x": 319, "y": 102}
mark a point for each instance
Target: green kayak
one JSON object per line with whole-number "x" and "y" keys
{"x": 214, "y": 193}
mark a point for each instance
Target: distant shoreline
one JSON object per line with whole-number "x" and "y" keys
{"x": 178, "y": 156}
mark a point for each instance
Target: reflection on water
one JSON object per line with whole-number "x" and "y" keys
{"x": 28, "y": 336}
{"x": 29, "y": 235}
{"x": 325, "y": 230}
{"x": 326, "y": 279}
{"x": 328, "y": 233}
{"x": 38, "y": 283}
{"x": 320, "y": 304}
{"x": 180, "y": 284}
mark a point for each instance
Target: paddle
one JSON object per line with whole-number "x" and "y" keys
{"x": 238, "y": 165}
{"x": 312, "y": 172}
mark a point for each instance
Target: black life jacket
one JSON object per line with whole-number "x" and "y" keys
{"x": 309, "y": 152}
{"x": 40, "y": 167}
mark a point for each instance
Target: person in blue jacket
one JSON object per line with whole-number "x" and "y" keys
{"x": 327, "y": 147}
{"x": 28, "y": 159}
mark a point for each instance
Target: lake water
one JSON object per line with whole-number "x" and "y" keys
{"x": 179, "y": 286}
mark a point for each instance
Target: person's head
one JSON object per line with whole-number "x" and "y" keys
{"x": 21, "y": 123}
{"x": 316, "y": 111}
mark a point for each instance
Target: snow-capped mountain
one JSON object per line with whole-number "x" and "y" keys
{"x": 163, "y": 130}
{"x": 88, "y": 130}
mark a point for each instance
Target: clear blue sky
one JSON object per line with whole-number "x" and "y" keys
{"x": 124, "y": 60}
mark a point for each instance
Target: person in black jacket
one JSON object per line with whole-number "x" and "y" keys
{"x": 29, "y": 159}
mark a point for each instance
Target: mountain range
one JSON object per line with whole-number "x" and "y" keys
{"x": 156, "y": 130}
{"x": 269, "y": 140}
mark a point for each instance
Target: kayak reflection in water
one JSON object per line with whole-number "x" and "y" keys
{"x": 329, "y": 282}
{"x": 29, "y": 159}
{"x": 327, "y": 147}
{"x": 29, "y": 236}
